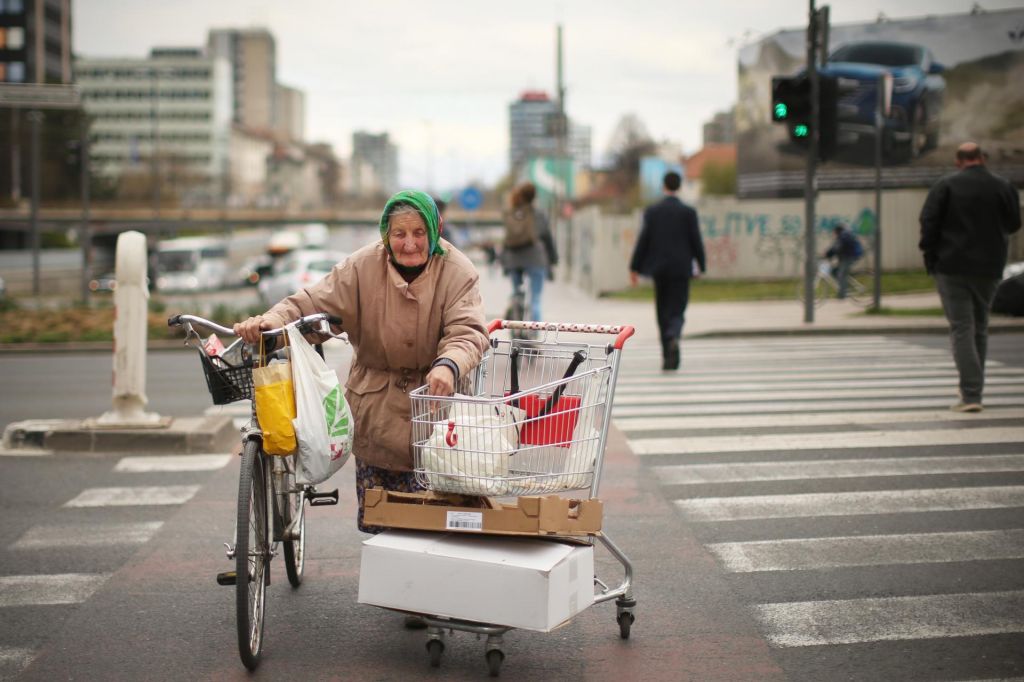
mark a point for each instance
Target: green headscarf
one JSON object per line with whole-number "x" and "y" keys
{"x": 424, "y": 204}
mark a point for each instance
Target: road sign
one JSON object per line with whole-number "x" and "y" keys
{"x": 471, "y": 198}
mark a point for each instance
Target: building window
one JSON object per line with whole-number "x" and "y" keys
{"x": 16, "y": 72}
{"x": 15, "y": 38}
{"x": 14, "y": 6}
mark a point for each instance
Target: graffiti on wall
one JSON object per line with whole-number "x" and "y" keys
{"x": 777, "y": 239}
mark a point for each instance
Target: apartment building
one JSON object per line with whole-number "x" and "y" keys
{"x": 166, "y": 116}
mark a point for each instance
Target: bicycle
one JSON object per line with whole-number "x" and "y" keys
{"x": 516, "y": 310}
{"x": 271, "y": 506}
{"x": 827, "y": 286}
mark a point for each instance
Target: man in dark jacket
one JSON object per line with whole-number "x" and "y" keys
{"x": 846, "y": 249}
{"x": 966, "y": 222}
{"x": 670, "y": 250}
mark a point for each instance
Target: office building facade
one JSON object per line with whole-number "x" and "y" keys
{"x": 533, "y": 128}
{"x": 252, "y": 56}
{"x": 165, "y": 115}
{"x": 374, "y": 164}
{"x": 35, "y": 41}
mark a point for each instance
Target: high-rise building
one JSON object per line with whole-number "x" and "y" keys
{"x": 252, "y": 55}
{"x": 290, "y": 116}
{"x": 378, "y": 153}
{"x": 532, "y": 131}
{"x": 35, "y": 41}
{"x": 173, "y": 106}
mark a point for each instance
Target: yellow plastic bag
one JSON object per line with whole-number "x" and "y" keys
{"x": 275, "y": 406}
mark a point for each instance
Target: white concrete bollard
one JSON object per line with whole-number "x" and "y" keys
{"x": 130, "y": 335}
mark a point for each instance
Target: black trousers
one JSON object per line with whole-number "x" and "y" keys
{"x": 671, "y": 294}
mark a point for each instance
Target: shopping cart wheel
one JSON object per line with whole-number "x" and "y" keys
{"x": 494, "y": 659}
{"x": 435, "y": 648}
{"x": 625, "y": 623}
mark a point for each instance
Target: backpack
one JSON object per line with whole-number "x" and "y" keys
{"x": 858, "y": 249}
{"x": 520, "y": 228}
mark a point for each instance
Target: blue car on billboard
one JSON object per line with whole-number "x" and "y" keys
{"x": 918, "y": 88}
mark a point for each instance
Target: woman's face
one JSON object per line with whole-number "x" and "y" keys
{"x": 407, "y": 236}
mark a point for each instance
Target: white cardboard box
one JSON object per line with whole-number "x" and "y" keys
{"x": 518, "y": 582}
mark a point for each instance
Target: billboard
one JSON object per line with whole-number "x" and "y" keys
{"x": 954, "y": 78}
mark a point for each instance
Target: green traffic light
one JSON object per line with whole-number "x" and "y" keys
{"x": 781, "y": 111}
{"x": 801, "y": 130}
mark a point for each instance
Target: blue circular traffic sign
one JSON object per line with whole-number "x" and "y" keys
{"x": 471, "y": 198}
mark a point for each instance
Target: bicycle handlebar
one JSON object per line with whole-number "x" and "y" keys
{"x": 305, "y": 324}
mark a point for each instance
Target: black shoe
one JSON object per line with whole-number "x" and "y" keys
{"x": 671, "y": 355}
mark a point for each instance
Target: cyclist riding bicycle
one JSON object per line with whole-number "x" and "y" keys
{"x": 847, "y": 250}
{"x": 410, "y": 304}
{"x": 529, "y": 248}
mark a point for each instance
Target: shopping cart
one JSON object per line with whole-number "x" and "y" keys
{"x": 533, "y": 420}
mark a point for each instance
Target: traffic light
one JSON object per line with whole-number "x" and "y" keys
{"x": 791, "y": 103}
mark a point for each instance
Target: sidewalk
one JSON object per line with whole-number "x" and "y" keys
{"x": 565, "y": 303}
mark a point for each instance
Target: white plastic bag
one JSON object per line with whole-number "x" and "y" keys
{"x": 324, "y": 427}
{"x": 477, "y": 461}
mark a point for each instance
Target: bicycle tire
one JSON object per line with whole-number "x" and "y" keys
{"x": 294, "y": 550}
{"x": 859, "y": 292}
{"x": 252, "y": 554}
{"x": 821, "y": 291}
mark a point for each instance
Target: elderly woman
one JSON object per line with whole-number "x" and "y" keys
{"x": 411, "y": 306}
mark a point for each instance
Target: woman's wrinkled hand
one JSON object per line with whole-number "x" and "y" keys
{"x": 441, "y": 381}
{"x": 250, "y": 329}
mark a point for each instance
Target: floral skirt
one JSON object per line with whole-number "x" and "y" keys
{"x": 375, "y": 477}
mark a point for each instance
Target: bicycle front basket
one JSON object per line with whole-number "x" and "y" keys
{"x": 227, "y": 384}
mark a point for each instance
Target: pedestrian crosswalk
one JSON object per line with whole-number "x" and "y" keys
{"x": 169, "y": 481}
{"x": 809, "y": 456}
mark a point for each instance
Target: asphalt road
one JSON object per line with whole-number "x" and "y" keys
{"x": 774, "y": 497}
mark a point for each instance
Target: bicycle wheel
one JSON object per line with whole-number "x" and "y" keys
{"x": 860, "y": 287}
{"x": 822, "y": 289}
{"x": 252, "y": 554}
{"x": 295, "y": 549}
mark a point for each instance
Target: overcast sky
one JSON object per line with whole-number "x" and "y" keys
{"x": 439, "y": 75}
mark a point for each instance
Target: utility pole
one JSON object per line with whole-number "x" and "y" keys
{"x": 35, "y": 119}
{"x": 810, "y": 189}
{"x": 85, "y": 234}
{"x": 563, "y": 122}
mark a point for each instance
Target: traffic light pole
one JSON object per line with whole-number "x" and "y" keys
{"x": 810, "y": 190}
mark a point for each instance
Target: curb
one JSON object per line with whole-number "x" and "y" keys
{"x": 183, "y": 435}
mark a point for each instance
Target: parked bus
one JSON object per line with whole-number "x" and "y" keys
{"x": 192, "y": 264}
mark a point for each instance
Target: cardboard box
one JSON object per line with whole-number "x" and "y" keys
{"x": 517, "y": 582}
{"x": 550, "y": 515}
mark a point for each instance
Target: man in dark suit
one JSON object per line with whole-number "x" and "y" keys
{"x": 966, "y": 222}
{"x": 670, "y": 250}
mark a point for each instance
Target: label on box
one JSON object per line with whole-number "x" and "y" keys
{"x": 463, "y": 520}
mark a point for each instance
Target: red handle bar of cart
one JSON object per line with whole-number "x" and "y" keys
{"x": 622, "y": 332}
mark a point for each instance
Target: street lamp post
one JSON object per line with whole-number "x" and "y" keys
{"x": 35, "y": 118}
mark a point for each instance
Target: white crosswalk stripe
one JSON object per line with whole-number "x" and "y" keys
{"x": 96, "y": 535}
{"x": 133, "y": 496}
{"x": 46, "y": 590}
{"x": 735, "y": 472}
{"x": 752, "y": 435}
{"x": 817, "y": 623}
{"x": 13, "y": 660}
{"x": 171, "y": 463}
{"x": 868, "y": 550}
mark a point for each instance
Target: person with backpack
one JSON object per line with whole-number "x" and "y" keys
{"x": 529, "y": 248}
{"x": 847, "y": 250}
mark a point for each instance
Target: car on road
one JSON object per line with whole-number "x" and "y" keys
{"x": 296, "y": 270}
{"x": 105, "y": 283}
{"x": 253, "y": 270}
{"x": 918, "y": 89}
